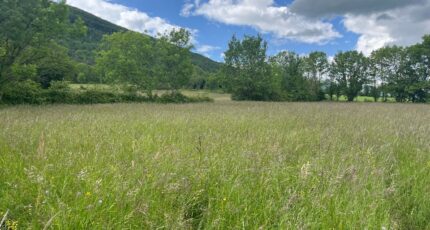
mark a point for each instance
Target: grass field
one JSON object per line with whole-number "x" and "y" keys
{"x": 222, "y": 165}
{"x": 218, "y": 96}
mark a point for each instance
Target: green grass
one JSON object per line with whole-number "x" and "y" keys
{"x": 225, "y": 165}
{"x": 191, "y": 93}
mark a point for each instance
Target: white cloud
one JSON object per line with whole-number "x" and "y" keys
{"x": 186, "y": 9}
{"x": 266, "y": 17}
{"x": 206, "y": 50}
{"x": 328, "y": 8}
{"x": 402, "y": 26}
{"x": 129, "y": 18}
{"x": 378, "y": 23}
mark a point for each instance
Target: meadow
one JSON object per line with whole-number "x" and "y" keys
{"x": 221, "y": 165}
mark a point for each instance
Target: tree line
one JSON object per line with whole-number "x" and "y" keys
{"x": 402, "y": 73}
{"x": 35, "y": 66}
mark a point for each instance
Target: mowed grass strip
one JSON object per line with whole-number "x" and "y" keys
{"x": 225, "y": 165}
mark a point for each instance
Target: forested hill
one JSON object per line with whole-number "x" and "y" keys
{"x": 82, "y": 49}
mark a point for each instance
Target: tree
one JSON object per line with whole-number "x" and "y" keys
{"x": 26, "y": 24}
{"x": 247, "y": 71}
{"x": 53, "y": 64}
{"x": 128, "y": 58}
{"x": 350, "y": 69}
{"x": 174, "y": 51}
{"x": 316, "y": 66}
{"x": 27, "y": 31}
{"x": 332, "y": 87}
{"x": 290, "y": 67}
{"x": 417, "y": 71}
{"x": 386, "y": 65}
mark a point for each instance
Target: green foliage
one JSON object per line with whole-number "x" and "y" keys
{"x": 30, "y": 92}
{"x": 404, "y": 72}
{"x": 128, "y": 58}
{"x": 246, "y": 70}
{"x": 23, "y": 72}
{"x": 387, "y": 65}
{"x": 34, "y": 36}
{"x": 316, "y": 66}
{"x": 27, "y": 24}
{"x": 175, "y": 66}
{"x": 23, "y": 92}
{"x": 176, "y": 97}
{"x": 350, "y": 70}
{"x": 82, "y": 49}
{"x": 87, "y": 74}
{"x": 54, "y": 65}
{"x": 289, "y": 69}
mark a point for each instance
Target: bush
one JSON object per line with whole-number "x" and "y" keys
{"x": 96, "y": 97}
{"x": 24, "y": 92}
{"x": 30, "y": 92}
{"x": 59, "y": 92}
{"x": 177, "y": 97}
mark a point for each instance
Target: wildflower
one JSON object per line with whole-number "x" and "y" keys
{"x": 224, "y": 199}
{"x": 100, "y": 201}
{"x": 88, "y": 194}
{"x": 12, "y": 224}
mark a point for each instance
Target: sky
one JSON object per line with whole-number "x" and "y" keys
{"x": 301, "y": 26}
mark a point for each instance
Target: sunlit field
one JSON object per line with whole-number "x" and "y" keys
{"x": 221, "y": 165}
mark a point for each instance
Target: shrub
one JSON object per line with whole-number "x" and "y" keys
{"x": 177, "y": 97}
{"x": 24, "y": 92}
{"x": 30, "y": 92}
{"x": 96, "y": 97}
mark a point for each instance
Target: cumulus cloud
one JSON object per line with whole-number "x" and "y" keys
{"x": 378, "y": 23}
{"x": 324, "y": 8}
{"x": 266, "y": 17}
{"x": 129, "y": 18}
{"x": 402, "y": 26}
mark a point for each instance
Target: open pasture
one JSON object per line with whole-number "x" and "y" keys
{"x": 226, "y": 165}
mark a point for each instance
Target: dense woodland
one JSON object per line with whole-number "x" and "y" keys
{"x": 45, "y": 46}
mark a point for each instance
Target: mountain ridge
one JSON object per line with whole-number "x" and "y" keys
{"x": 82, "y": 49}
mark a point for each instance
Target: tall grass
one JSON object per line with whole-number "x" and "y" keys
{"x": 226, "y": 165}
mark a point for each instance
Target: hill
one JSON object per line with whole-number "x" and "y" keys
{"x": 82, "y": 49}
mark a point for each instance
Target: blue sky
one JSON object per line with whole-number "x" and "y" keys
{"x": 301, "y": 26}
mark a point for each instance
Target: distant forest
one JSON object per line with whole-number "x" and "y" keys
{"x": 45, "y": 46}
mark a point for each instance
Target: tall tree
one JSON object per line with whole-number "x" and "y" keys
{"x": 417, "y": 71}
{"x": 247, "y": 71}
{"x": 27, "y": 33}
{"x": 28, "y": 24}
{"x": 290, "y": 67}
{"x": 387, "y": 66}
{"x": 350, "y": 69}
{"x": 316, "y": 66}
{"x": 128, "y": 58}
{"x": 175, "y": 58}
